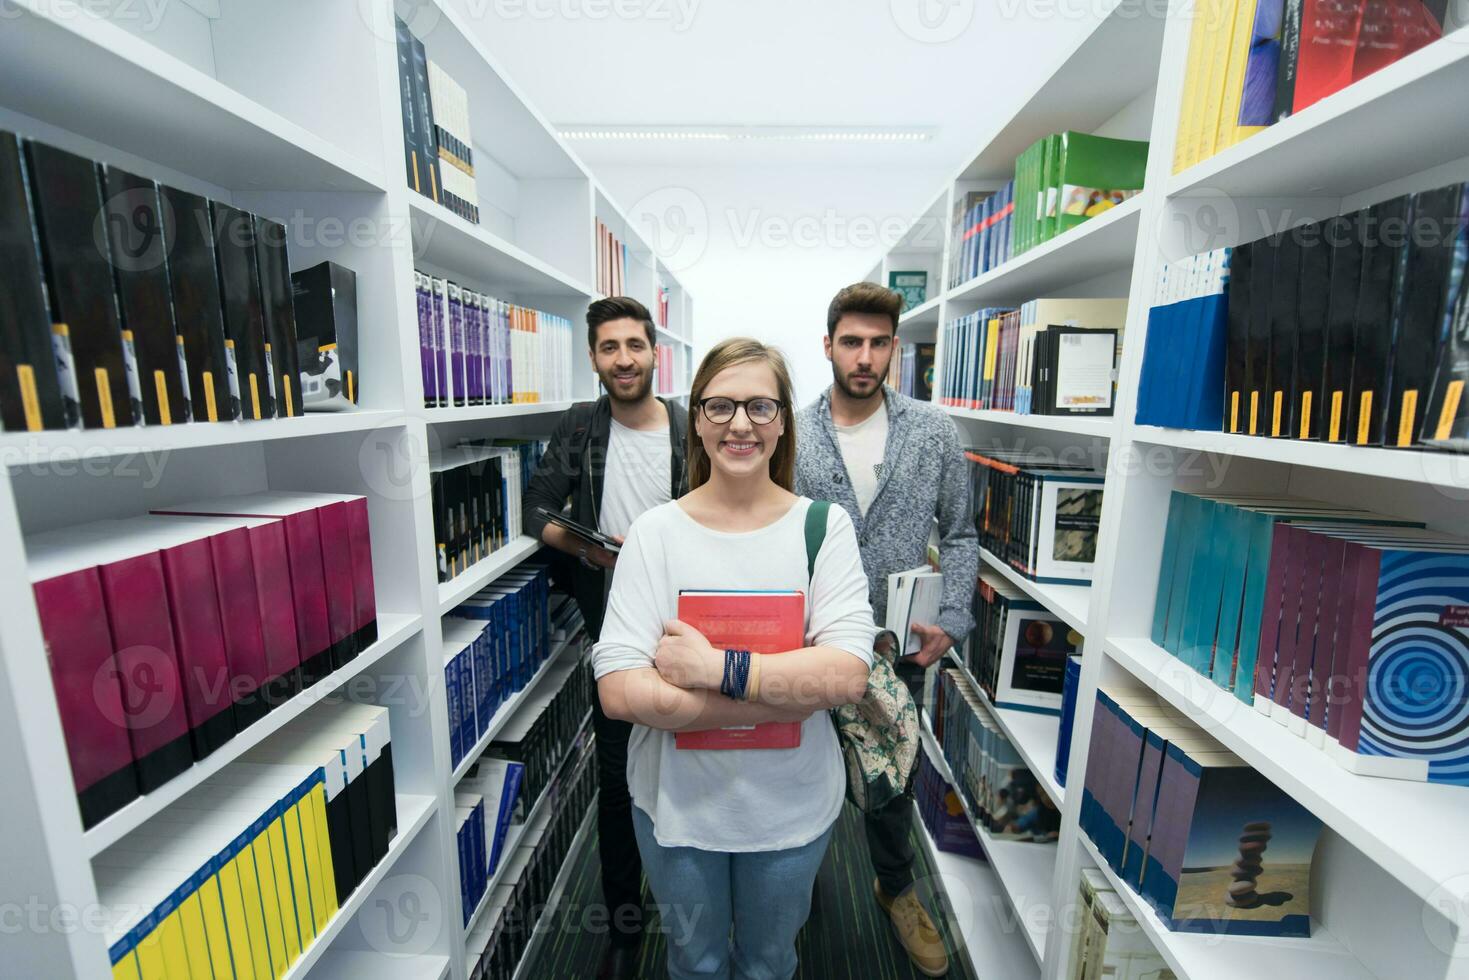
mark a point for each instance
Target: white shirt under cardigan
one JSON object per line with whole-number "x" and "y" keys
{"x": 734, "y": 799}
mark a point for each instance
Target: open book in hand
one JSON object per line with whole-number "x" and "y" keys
{"x": 581, "y": 531}
{"x": 913, "y": 597}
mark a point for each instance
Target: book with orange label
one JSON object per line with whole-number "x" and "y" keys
{"x": 758, "y": 621}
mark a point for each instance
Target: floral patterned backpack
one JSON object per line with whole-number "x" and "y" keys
{"x": 879, "y": 734}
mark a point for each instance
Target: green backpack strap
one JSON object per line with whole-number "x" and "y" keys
{"x": 815, "y": 534}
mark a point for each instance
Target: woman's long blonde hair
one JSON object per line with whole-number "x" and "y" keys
{"x": 726, "y": 354}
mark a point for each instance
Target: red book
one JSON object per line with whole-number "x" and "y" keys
{"x": 761, "y": 622}
{"x": 363, "y": 590}
{"x": 1329, "y": 33}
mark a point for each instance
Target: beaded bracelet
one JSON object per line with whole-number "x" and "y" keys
{"x": 736, "y": 674}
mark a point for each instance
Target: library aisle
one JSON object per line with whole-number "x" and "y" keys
{"x": 335, "y": 343}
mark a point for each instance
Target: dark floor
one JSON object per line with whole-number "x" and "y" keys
{"x": 847, "y": 936}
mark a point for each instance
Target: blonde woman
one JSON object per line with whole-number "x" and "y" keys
{"x": 731, "y": 839}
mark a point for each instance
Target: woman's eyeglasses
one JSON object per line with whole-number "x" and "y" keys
{"x": 760, "y": 411}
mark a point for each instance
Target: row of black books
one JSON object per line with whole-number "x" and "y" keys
{"x": 1018, "y": 649}
{"x": 166, "y": 634}
{"x": 438, "y": 148}
{"x": 475, "y": 491}
{"x": 911, "y": 371}
{"x": 1344, "y": 626}
{"x": 498, "y": 945}
{"x": 1048, "y": 357}
{"x": 1002, "y": 793}
{"x": 942, "y": 812}
{"x": 127, "y": 302}
{"x": 538, "y": 735}
{"x": 245, "y": 873}
{"x": 1206, "y": 840}
{"x": 1037, "y": 514}
{"x": 1355, "y": 329}
{"x": 494, "y": 642}
{"x": 495, "y": 807}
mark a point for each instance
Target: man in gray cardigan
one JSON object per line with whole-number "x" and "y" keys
{"x": 895, "y": 464}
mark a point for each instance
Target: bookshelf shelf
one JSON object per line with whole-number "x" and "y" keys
{"x": 1439, "y": 469}
{"x": 1381, "y": 127}
{"x": 1103, "y": 244}
{"x": 922, "y": 317}
{"x": 1432, "y": 861}
{"x": 1199, "y": 956}
{"x": 514, "y": 835}
{"x": 55, "y": 446}
{"x": 1023, "y": 867}
{"x": 1067, "y": 601}
{"x": 485, "y": 571}
{"x": 511, "y": 708}
{"x": 558, "y": 889}
{"x": 413, "y": 815}
{"x": 1097, "y": 427}
{"x": 293, "y": 112}
{"x": 443, "y": 239}
{"x": 393, "y": 631}
{"x": 1033, "y": 735}
{"x": 120, "y": 90}
{"x": 353, "y": 964}
{"x": 992, "y": 949}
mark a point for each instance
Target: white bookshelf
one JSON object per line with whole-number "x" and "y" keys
{"x": 292, "y": 111}
{"x": 1390, "y": 886}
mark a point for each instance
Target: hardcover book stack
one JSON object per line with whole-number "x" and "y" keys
{"x": 1002, "y": 793}
{"x": 1039, "y": 516}
{"x": 1184, "y": 353}
{"x": 1318, "y": 616}
{"x": 981, "y": 232}
{"x": 1049, "y": 357}
{"x": 611, "y": 262}
{"x": 1063, "y": 179}
{"x": 1252, "y": 63}
{"x": 1213, "y": 846}
{"x": 1109, "y": 941}
{"x": 168, "y": 634}
{"x": 494, "y": 642}
{"x": 475, "y": 494}
{"x": 478, "y": 350}
{"x": 1355, "y": 329}
{"x": 127, "y": 302}
{"x": 1018, "y": 650}
{"x": 438, "y": 148}
{"x": 242, "y": 875}
{"x": 530, "y": 872}
{"x": 943, "y": 813}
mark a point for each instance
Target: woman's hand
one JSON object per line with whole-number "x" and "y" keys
{"x": 685, "y": 659}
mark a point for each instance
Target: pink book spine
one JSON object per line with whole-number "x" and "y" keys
{"x": 88, "y": 693}
{"x": 1290, "y": 681}
{"x": 1266, "y": 666}
{"x": 336, "y": 558}
{"x": 361, "y": 538}
{"x": 1358, "y": 642}
{"x": 273, "y": 593}
{"x": 147, "y": 661}
{"x": 1309, "y": 655}
{"x": 239, "y": 612}
{"x": 308, "y": 582}
{"x": 188, "y": 570}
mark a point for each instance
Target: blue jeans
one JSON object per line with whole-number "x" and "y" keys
{"x": 764, "y": 895}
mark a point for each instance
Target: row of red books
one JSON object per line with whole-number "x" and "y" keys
{"x": 168, "y": 633}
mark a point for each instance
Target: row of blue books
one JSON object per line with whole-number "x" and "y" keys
{"x": 494, "y": 642}
{"x": 1183, "y": 356}
{"x": 1210, "y": 843}
{"x": 981, "y": 232}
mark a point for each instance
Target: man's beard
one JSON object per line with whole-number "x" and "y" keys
{"x": 609, "y": 382}
{"x": 841, "y": 382}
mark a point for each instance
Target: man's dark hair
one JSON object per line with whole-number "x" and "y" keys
{"x": 864, "y": 297}
{"x": 617, "y": 308}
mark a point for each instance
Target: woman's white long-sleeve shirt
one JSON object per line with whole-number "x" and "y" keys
{"x": 734, "y": 799}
